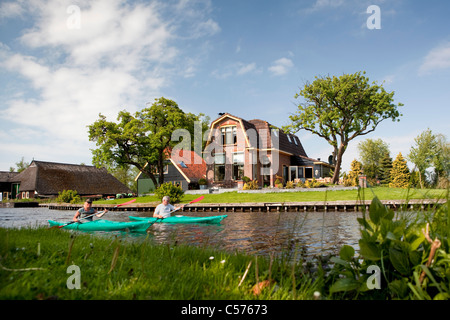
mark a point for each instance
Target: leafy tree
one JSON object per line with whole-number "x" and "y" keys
{"x": 431, "y": 151}
{"x": 400, "y": 173}
{"x": 21, "y": 165}
{"x": 143, "y": 140}
{"x": 422, "y": 154}
{"x": 371, "y": 152}
{"x": 339, "y": 109}
{"x": 441, "y": 161}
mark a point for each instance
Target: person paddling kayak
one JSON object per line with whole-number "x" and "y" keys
{"x": 164, "y": 209}
{"x": 88, "y": 210}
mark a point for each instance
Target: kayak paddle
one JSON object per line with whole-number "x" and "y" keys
{"x": 193, "y": 201}
{"x": 91, "y": 215}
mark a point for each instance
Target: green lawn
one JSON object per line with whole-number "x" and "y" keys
{"x": 383, "y": 193}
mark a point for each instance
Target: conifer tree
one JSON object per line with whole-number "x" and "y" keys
{"x": 400, "y": 173}
{"x": 355, "y": 172}
{"x": 385, "y": 169}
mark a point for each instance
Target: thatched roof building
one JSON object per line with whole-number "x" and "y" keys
{"x": 6, "y": 182}
{"x": 47, "y": 179}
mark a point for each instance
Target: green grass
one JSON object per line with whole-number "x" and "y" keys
{"x": 118, "y": 269}
{"x": 383, "y": 193}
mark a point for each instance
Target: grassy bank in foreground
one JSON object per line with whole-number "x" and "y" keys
{"x": 35, "y": 264}
{"x": 397, "y": 259}
{"x": 325, "y": 195}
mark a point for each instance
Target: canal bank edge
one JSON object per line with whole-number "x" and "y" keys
{"x": 343, "y": 206}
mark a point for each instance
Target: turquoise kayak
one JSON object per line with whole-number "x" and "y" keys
{"x": 104, "y": 225}
{"x": 181, "y": 219}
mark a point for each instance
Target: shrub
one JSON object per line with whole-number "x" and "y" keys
{"x": 401, "y": 251}
{"x": 299, "y": 183}
{"x": 400, "y": 174}
{"x": 290, "y": 185}
{"x": 251, "y": 185}
{"x": 68, "y": 196}
{"x": 278, "y": 182}
{"x": 353, "y": 175}
{"x": 168, "y": 189}
{"x": 246, "y": 179}
{"x": 313, "y": 183}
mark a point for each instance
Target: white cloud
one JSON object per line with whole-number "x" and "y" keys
{"x": 11, "y": 9}
{"x": 246, "y": 68}
{"x": 281, "y": 66}
{"x": 324, "y": 4}
{"x": 236, "y": 69}
{"x": 437, "y": 59}
{"x": 122, "y": 55}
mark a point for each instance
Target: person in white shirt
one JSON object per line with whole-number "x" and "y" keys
{"x": 164, "y": 209}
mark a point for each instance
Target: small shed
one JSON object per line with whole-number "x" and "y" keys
{"x": 46, "y": 179}
{"x": 184, "y": 168}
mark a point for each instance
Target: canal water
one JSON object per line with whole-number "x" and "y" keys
{"x": 312, "y": 233}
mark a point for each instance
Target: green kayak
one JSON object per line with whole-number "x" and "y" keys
{"x": 104, "y": 225}
{"x": 181, "y": 219}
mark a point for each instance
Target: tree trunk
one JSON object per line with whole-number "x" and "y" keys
{"x": 151, "y": 176}
{"x": 161, "y": 173}
{"x": 337, "y": 167}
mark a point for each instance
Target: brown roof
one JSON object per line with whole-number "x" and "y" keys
{"x": 190, "y": 164}
{"x": 6, "y": 176}
{"x": 288, "y": 143}
{"x": 49, "y": 178}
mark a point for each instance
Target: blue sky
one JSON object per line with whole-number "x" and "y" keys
{"x": 64, "y": 62}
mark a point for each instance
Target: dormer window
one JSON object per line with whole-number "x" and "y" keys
{"x": 275, "y": 132}
{"x": 182, "y": 164}
{"x": 229, "y": 135}
{"x": 289, "y": 138}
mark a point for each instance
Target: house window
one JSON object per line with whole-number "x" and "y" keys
{"x": 292, "y": 173}
{"x": 229, "y": 135}
{"x": 289, "y": 138}
{"x": 238, "y": 165}
{"x": 308, "y": 172}
{"x": 219, "y": 172}
{"x": 182, "y": 164}
{"x": 300, "y": 172}
{"x": 166, "y": 169}
{"x": 275, "y": 132}
{"x": 219, "y": 166}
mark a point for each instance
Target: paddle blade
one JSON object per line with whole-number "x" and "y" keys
{"x": 125, "y": 203}
{"x": 197, "y": 200}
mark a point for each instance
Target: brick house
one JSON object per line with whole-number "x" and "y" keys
{"x": 257, "y": 150}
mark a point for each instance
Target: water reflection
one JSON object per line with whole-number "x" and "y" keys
{"x": 265, "y": 233}
{"x": 255, "y": 233}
